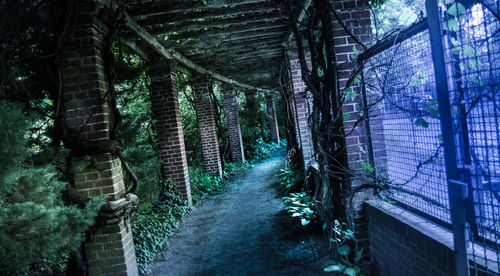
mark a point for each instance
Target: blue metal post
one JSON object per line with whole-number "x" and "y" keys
{"x": 456, "y": 185}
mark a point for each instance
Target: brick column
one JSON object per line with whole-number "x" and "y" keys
{"x": 273, "y": 119}
{"x": 301, "y": 108}
{"x": 233, "y": 125}
{"x": 168, "y": 127}
{"x": 87, "y": 117}
{"x": 356, "y": 16}
{"x": 206, "y": 123}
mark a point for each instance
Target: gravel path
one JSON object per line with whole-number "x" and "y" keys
{"x": 243, "y": 231}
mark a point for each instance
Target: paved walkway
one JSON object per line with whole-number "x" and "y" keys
{"x": 243, "y": 231}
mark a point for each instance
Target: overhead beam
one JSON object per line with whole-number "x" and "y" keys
{"x": 239, "y": 33}
{"x": 167, "y": 8}
{"x": 183, "y": 17}
{"x": 217, "y": 24}
{"x": 300, "y": 17}
{"x": 171, "y": 53}
{"x": 233, "y": 40}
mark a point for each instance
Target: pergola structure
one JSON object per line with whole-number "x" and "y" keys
{"x": 240, "y": 43}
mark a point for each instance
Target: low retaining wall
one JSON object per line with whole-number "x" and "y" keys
{"x": 402, "y": 243}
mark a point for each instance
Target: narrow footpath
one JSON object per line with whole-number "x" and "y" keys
{"x": 244, "y": 231}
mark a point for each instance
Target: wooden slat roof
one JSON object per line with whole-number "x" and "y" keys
{"x": 239, "y": 39}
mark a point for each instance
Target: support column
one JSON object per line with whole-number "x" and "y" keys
{"x": 206, "y": 123}
{"x": 168, "y": 126}
{"x": 273, "y": 119}
{"x": 233, "y": 125}
{"x": 87, "y": 117}
{"x": 301, "y": 108}
{"x": 356, "y": 16}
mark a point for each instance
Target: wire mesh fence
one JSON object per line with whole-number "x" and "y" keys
{"x": 399, "y": 83}
{"x": 473, "y": 59}
{"x": 406, "y": 131}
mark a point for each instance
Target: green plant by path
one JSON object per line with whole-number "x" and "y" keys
{"x": 291, "y": 178}
{"x": 301, "y": 206}
{"x": 346, "y": 263}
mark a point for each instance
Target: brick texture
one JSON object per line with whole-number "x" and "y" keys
{"x": 233, "y": 125}
{"x": 168, "y": 127}
{"x": 206, "y": 123}
{"x": 301, "y": 108}
{"x": 273, "y": 119}
{"x": 356, "y": 16}
{"x": 403, "y": 244}
{"x": 109, "y": 249}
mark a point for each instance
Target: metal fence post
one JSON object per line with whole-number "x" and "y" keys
{"x": 456, "y": 188}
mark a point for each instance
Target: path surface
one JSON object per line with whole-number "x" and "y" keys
{"x": 243, "y": 231}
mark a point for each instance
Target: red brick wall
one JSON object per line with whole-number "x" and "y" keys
{"x": 206, "y": 123}
{"x": 233, "y": 125}
{"x": 356, "y": 16}
{"x": 168, "y": 126}
{"x": 109, "y": 249}
{"x": 273, "y": 119}
{"x": 301, "y": 108}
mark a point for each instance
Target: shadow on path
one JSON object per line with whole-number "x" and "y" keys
{"x": 244, "y": 231}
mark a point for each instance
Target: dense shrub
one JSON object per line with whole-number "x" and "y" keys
{"x": 259, "y": 149}
{"x": 37, "y": 231}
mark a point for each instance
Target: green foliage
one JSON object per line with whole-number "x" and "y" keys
{"x": 137, "y": 133}
{"x": 259, "y": 150}
{"x": 291, "y": 178}
{"x": 347, "y": 264}
{"x": 392, "y": 14}
{"x": 234, "y": 168}
{"x": 297, "y": 201}
{"x": 153, "y": 224}
{"x": 203, "y": 184}
{"x": 301, "y": 206}
{"x": 36, "y": 229}
{"x": 367, "y": 167}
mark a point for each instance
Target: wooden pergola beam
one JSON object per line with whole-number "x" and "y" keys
{"x": 182, "y": 18}
{"x": 235, "y": 34}
{"x": 219, "y": 25}
{"x": 300, "y": 17}
{"x": 235, "y": 51}
{"x": 235, "y": 40}
{"x": 166, "y": 8}
{"x": 172, "y": 54}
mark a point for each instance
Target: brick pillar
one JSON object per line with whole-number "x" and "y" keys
{"x": 356, "y": 16}
{"x": 206, "y": 123}
{"x": 233, "y": 125}
{"x": 168, "y": 127}
{"x": 87, "y": 117}
{"x": 301, "y": 108}
{"x": 273, "y": 119}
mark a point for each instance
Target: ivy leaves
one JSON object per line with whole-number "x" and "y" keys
{"x": 457, "y": 14}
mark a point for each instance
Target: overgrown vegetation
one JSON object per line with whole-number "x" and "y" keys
{"x": 37, "y": 231}
{"x": 347, "y": 262}
{"x": 298, "y": 201}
